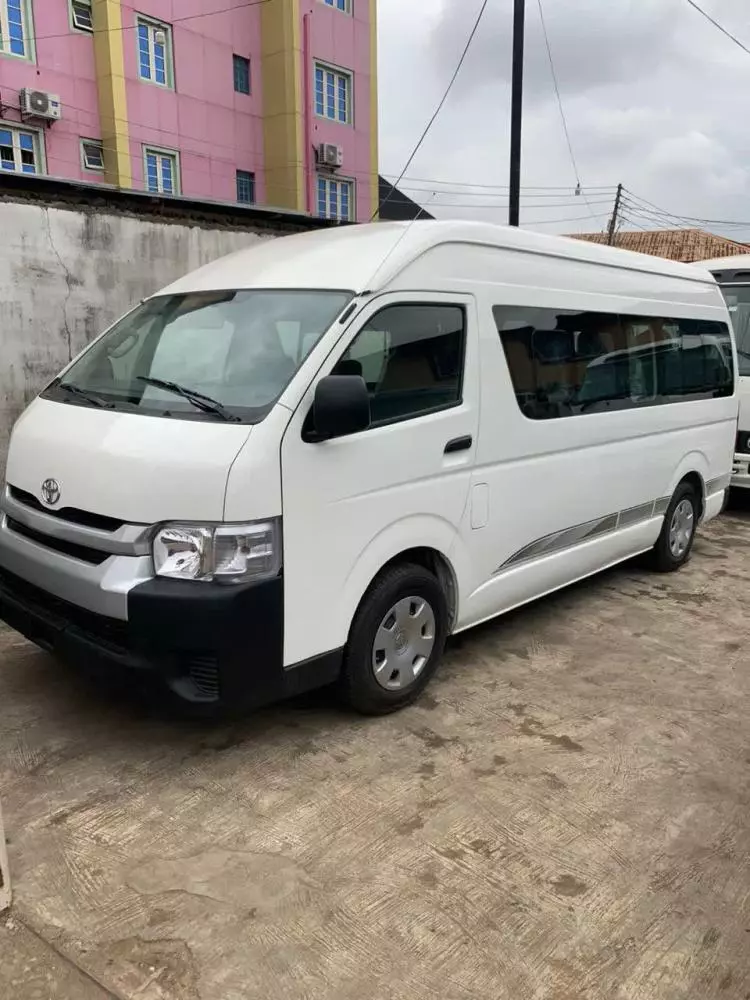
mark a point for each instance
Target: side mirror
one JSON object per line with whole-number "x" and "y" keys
{"x": 341, "y": 406}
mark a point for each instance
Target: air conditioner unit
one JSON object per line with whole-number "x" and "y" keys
{"x": 160, "y": 37}
{"x": 40, "y": 104}
{"x": 330, "y": 155}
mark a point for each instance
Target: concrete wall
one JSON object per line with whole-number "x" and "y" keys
{"x": 67, "y": 273}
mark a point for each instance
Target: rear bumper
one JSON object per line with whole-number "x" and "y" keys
{"x": 741, "y": 471}
{"x": 219, "y": 646}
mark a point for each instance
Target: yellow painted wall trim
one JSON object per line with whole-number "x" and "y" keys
{"x": 283, "y": 118}
{"x": 374, "y": 156}
{"x": 110, "y": 83}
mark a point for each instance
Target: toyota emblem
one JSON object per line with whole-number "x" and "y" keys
{"x": 50, "y": 492}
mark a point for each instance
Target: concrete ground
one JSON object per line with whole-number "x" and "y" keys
{"x": 565, "y": 814}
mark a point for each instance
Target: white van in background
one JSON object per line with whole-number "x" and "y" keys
{"x": 733, "y": 276}
{"x": 315, "y": 459}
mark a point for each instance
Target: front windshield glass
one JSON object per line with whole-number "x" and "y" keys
{"x": 738, "y": 302}
{"x": 228, "y": 355}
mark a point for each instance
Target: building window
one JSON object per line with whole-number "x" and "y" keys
{"x": 155, "y": 52}
{"x": 411, "y": 358}
{"x": 565, "y": 363}
{"x": 241, "y": 74}
{"x": 162, "y": 172}
{"x": 344, "y": 5}
{"x": 245, "y": 187}
{"x": 333, "y": 94}
{"x": 92, "y": 154}
{"x": 15, "y": 28}
{"x": 80, "y": 15}
{"x": 335, "y": 199}
{"x": 20, "y": 150}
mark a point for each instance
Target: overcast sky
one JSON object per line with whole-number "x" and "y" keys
{"x": 655, "y": 98}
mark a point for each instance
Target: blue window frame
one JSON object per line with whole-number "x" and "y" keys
{"x": 338, "y": 4}
{"x": 19, "y": 150}
{"x": 241, "y": 74}
{"x": 333, "y": 94}
{"x": 161, "y": 171}
{"x": 335, "y": 199}
{"x": 154, "y": 52}
{"x": 15, "y": 28}
{"x": 245, "y": 187}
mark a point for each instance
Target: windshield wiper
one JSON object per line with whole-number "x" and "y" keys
{"x": 199, "y": 399}
{"x": 91, "y": 397}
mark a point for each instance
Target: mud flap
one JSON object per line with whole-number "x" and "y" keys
{"x": 4, "y": 871}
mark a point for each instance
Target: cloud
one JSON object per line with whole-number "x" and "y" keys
{"x": 655, "y": 98}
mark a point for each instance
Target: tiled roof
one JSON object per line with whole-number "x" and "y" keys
{"x": 675, "y": 244}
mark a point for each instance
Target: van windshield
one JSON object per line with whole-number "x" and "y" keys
{"x": 738, "y": 303}
{"x": 225, "y": 355}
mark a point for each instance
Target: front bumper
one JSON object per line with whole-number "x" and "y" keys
{"x": 214, "y": 645}
{"x": 741, "y": 471}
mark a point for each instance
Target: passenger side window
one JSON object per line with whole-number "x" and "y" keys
{"x": 411, "y": 358}
{"x": 563, "y": 363}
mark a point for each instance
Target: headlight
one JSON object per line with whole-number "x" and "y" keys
{"x": 229, "y": 553}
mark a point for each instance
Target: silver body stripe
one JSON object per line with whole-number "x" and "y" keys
{"x": 635, "y": 514}
{"x": 569, "y": 537}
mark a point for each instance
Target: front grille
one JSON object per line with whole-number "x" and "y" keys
{"x": 83, "y": 517}
{"x": 109, "y": 631}
{"x": 94, "y": 557}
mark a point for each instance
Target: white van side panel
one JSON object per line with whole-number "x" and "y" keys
{"x": 569, "y": 495}
{"x": 353, "y": 503}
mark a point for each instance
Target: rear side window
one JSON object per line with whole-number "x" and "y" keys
{"x": 563, "y": 363}
{"x": 412, "y": 359}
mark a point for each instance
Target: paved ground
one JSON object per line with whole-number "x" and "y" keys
{"x": 565, "y": 815}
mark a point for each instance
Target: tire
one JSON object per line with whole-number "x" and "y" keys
{"x": 395, "y": 642}
{"x": 673, "y": 547}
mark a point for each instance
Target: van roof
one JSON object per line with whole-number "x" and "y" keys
{"x": 727, "y": 263}
{"x": 368, "y": 257}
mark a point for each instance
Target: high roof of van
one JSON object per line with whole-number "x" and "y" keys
{"x": 368, "y": 257}
{"x": 727, "y": 263}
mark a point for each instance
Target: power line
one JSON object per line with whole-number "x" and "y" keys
{"x": 721, "y": 27}
{"x": 575, "y": 218}
{"x": 560, "y": 105}
{"x": 686, "y": 218}
{"x": 438, "y": 109}
{"x": 530, "y": 208}
{"x": 502, "y": 193}
{"x": 504, "y": 187}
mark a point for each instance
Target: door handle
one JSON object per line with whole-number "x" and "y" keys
{"x": 458, "y": 444}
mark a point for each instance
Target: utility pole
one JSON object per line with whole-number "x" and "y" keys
{"x": 615, "y": 214}
{"x": 516, "y": 112}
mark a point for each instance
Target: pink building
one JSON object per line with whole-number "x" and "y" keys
{"x": 271, "y": 102}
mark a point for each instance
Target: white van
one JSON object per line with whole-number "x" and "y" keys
{"x": 315, "y": 459}
{"x": 733, "y": 276}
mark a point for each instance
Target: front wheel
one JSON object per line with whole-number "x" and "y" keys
{"x": 675, "y": 542}
{"x": 396, "y": 641}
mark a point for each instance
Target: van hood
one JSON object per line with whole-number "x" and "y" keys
{"x": 140, "y": 469}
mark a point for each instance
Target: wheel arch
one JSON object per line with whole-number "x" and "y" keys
{"x": 693, "y": 469}
{"x": 427, "y": 542}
